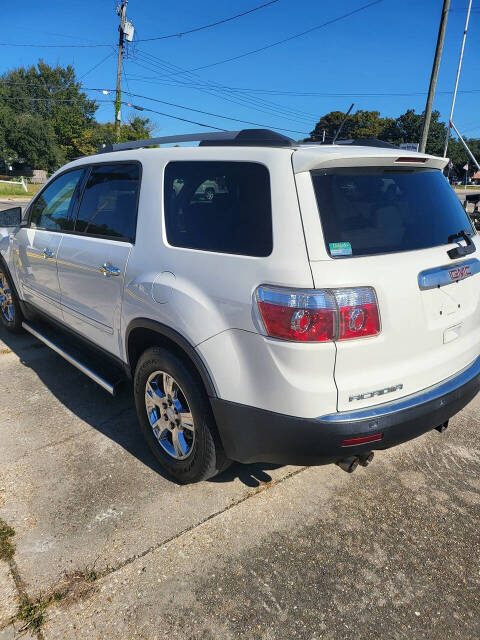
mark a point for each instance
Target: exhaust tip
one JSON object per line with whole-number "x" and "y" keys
{"x": 348, "y": 464}
{"x": 351, "y": 463}
{"x": 366, "y": 459}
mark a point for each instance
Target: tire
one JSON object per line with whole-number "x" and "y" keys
{"x": 175, "y": 418}
{"x": 10, "y": 313}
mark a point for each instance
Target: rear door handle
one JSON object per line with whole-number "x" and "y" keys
{"x": 108, "y": 270}
{"x": 47, "y": 253}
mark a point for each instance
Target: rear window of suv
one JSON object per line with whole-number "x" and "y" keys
{"x": 376, "y": 210}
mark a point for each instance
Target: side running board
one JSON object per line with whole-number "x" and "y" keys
{"x": 72, "y": 360}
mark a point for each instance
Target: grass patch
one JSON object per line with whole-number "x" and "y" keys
{"x": 6, "y": 547}
{"x": 91, "y": 576}
{"x": 33, "y": 613}
{"x": 17, "y": 190}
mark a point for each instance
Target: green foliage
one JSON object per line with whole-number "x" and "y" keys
{"x": 46, "y": 109}
{"x": 46, "y": 119}
{"x": 33, "y": 613}
{"x": 98, "y": 134}
{"x": 362, "y": 124}
{"x": 406, "y": 128}
{"x": 459, "y": 156}
{"x": 33, "y": 139}
{"x": 7, "y": 189}
{"x": 6, "y": 547}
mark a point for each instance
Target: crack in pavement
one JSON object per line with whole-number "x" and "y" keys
{"x": 263, "y": 487}
{"x": 21, "y": 587}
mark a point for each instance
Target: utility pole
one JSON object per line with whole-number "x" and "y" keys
{"x": 447, "y": 137}
{"x": 434, "y": 76}
{"x": 121, "y": 10}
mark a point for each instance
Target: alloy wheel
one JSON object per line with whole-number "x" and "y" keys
{"x": 6, "y": 301}
{"x": 169, "y": 415}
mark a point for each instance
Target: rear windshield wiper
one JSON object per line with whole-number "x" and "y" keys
{"x": 460, "y": 251}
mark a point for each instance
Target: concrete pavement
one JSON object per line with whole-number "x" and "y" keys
{"x": 260, "y": 552}
{"x": 107, "y": 547}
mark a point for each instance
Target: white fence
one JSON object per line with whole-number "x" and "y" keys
{"x": 22, "y": 183}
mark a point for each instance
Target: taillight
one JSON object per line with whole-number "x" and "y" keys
{"x": 298, "y": 314}
{"x": 318, "y": 315}
{"x": 358, "y": 313}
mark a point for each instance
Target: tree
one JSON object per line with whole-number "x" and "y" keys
{"x": 459, "y": 156}
{"x": 54, "y": 95}
{"x": 408, "y": 128}
{"x": 368, "y": 124}
{"x": 46, "y": 119}
{"x": 361, "y": 124}
{"x": 33, "y": 141}
{"x": 329, "y": 124}
{"x": 96, "y": 135}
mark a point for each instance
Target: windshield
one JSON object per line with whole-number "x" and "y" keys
{"x": 374, "y": 210}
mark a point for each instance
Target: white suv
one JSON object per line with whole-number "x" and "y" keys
{"x": 323, "y": 304}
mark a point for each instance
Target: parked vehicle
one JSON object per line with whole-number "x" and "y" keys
{"x": 322, "y": 305}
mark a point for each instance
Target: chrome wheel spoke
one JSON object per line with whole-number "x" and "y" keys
{"x": 149, "y": 391}
{"x": 153, "y": 395}
{"x": 168, "y": 385}
{"x": 179, "y": 444}
{"x": 186, "y": 420}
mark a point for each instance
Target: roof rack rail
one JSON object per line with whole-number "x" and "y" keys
{"x": 245, "y": 137}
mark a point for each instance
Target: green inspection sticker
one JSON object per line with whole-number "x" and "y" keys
{"x": 340, "y": 248}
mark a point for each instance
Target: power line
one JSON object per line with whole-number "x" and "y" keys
{"x": 207, "y": 113}
{"x": 297, "y": 35}
{"x": 141, "y": 108}
{"x": 280, "y": 92}
{"x": 57, "y": 46}
{"x": 97, "y": 65}
{"x": 217, "y": 90}
{"x": 273, "y": 91}
{"x": 250, "y": 103}
{"x": 168, "y": 115}
{"x": 209, "y": 26}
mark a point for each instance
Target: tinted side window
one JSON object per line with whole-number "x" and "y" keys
{"x": 109, "y": 202}
{"x": 52, "y": 210}
{"x": 219, "y": 206}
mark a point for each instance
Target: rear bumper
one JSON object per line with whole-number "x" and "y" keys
{"x": 250, "y": 434}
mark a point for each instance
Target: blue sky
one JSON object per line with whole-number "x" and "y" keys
{"x": 385, "y": 49}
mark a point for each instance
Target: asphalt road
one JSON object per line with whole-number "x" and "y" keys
{"x": 259, "y": 553}
{"x": 6, "y": 202}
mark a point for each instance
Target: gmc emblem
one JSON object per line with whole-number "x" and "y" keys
{"x": 460, "y": 272}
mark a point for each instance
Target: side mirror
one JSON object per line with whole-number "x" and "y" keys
{"x": 11, "y": 217}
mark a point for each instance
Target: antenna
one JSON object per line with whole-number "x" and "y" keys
{"x": 341, "y": 125}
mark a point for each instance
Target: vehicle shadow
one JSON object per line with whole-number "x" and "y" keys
{"x": 114, "y": 417}
{"x": 251, "y": 475}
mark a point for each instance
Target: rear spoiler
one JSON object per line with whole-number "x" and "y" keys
{"x": 307, "y": 159}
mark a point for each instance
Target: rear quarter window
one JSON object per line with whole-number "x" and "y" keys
{"x": 219, "y": 206}
{"x": 378, "y": 210}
